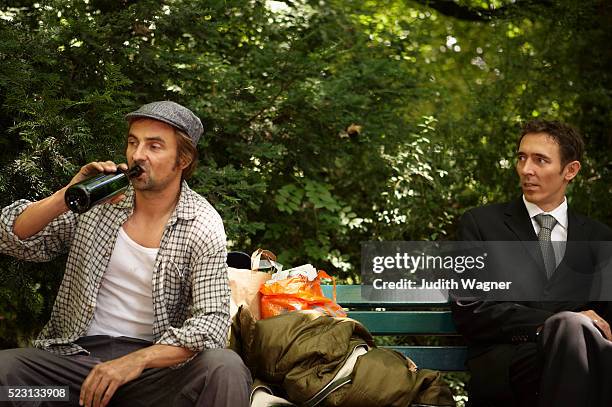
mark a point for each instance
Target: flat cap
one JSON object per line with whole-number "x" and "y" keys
{"x": 173, "y": 114}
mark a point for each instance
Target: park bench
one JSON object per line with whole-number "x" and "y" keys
{"x": 406, "y": 318}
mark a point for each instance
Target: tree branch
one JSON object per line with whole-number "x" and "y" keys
{"x": 452, "y": 9}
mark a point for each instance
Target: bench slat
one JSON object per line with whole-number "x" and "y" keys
{"x": 350, "y": 296}
{"x": 446, "y": 358}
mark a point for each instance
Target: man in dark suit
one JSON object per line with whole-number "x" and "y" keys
{"x": 540, "y": 353}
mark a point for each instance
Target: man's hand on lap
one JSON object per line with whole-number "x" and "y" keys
{"x": 600, "y": 323}
{"x": 105, "y": 378}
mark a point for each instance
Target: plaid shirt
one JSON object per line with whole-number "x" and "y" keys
{"x": 190, "y": 284}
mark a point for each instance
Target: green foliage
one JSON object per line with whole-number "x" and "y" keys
{"x": 327, "y": 123}
{"x": 457, "y": 383}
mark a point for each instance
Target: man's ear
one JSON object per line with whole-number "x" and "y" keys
{"x": 184, "y": 161}
{"x": 571, "y": 170}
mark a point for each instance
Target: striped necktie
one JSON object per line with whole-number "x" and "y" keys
{"x": 547, "y": 223}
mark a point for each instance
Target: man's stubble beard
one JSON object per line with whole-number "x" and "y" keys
{"x": 150, "y": 184}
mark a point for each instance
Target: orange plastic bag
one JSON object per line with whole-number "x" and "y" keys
{"x": 297, "y": 293}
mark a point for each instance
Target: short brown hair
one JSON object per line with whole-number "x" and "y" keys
{"x": 186, "y": 152}
{"x": 571, "y": 144}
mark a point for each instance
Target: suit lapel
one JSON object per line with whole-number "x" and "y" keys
{"x": 574, "y": 252}
{"x": 517, "y": 220}
{"x": 577, "y": 261}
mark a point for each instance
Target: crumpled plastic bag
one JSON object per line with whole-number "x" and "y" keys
{"x": 297, "y": 292}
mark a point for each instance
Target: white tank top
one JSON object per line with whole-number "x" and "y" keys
{"x": 124, "y": 306}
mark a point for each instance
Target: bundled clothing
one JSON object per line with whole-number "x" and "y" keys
{"x": 310, "y": 360}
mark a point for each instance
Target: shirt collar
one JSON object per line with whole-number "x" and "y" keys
{"x": 186, "y": 206}
{"x": 559, "y": 213}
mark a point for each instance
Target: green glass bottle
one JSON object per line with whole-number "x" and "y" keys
{"x": 81, "y": 196}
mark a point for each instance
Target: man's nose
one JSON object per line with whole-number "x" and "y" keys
{"x": 527, "y": 168}
{"x": 139, "y": 154}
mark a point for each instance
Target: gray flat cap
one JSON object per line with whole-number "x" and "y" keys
{"x": 173, "y": 114}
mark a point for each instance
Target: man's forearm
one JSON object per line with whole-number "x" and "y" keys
{"x": 39, "y": 214}
{"x": 160, "y": 356}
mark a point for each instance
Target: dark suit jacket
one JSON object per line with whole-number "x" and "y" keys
{"x": 493, "y": 329}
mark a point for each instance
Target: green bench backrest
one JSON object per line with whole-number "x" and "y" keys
{"x": 402, "y": 318}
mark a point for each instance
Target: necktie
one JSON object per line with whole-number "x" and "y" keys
{"x": 547, "y": 223}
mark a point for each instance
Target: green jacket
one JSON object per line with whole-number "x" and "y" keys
{"x": 299, "y": 353}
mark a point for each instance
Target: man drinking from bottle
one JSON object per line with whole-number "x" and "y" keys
{"x": 142, "y": 314}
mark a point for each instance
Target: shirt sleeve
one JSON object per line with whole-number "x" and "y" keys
{"x": 208, "y": 322}
{"x": 50, "y": 242}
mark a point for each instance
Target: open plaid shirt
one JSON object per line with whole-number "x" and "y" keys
{"x": 190, "y": 284}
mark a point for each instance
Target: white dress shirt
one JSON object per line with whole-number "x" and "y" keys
{"x": 559, "y": 231}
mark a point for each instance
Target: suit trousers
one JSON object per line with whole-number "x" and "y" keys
{"x": 577, "y": 368}
{"x": 570, "y": 365}
{"x": 214, "y": 377}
